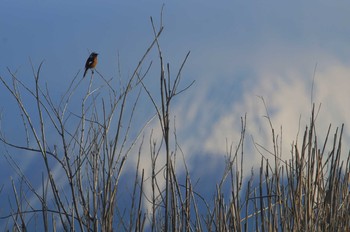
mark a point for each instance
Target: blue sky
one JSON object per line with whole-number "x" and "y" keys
{"x": 239, "y": 50}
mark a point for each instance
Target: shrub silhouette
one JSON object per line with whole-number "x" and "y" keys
{"x": 308, "y": 193}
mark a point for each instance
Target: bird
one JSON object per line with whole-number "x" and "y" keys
{"x": 91, "y": 62}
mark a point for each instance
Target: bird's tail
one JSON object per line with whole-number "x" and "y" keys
{"x": 85, "y": 72}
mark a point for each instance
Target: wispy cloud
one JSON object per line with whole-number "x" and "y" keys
{"x": 286, "y": 88}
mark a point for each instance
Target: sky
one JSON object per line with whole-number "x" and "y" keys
{"x": 290, "y": 54}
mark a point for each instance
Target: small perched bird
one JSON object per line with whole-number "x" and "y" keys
{"x": 91, "y": 62}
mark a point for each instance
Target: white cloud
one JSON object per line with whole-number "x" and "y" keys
{"x": 285, "y": 86}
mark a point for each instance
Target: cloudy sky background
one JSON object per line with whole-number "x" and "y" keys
{"x": 240, "y": 51}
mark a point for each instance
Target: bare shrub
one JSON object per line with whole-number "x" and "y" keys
{"x": 84, "y": 164}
